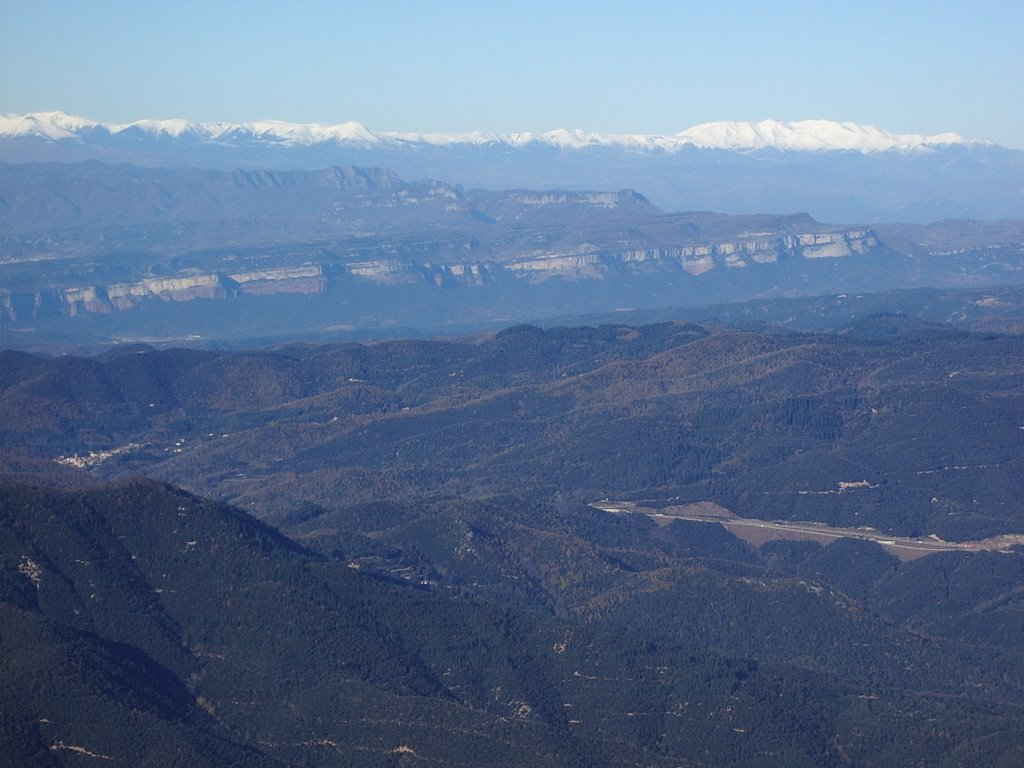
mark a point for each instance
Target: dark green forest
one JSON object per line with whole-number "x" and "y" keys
{"x": 382, "y": 554}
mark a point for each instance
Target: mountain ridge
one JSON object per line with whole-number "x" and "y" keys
{"x": 425, "y": 485}
{"x": 840, "y": 172}
{"x": 798, "y": 135}
{"x": 138, "y": 613}
{"x": 360, "y": 247}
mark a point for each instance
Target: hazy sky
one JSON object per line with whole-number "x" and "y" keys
{"x": 626, "y": 67}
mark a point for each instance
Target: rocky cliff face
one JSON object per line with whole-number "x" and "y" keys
{"x": 698, "y": 259}
{"x": 104, "y": 299}
{"x": 583, "y": 263}
{"x": 98, "y": 240}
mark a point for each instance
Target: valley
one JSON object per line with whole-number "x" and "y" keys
{"x": 299, "y": 460}
{"x": 534, "y": 385}
{"x": 174, "y": 518}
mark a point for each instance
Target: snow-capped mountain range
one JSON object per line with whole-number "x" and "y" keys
{"x": 801, "y": 135}
{"x": 843, "y": 173}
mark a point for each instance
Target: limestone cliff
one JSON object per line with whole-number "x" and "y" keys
{"x": 699, "y": 258}
{"x": 585, "y": 262}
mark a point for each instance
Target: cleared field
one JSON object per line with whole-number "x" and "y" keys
{"x": 757, "y": 532}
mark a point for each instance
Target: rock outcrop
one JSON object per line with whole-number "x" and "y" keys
{"x": 582, "y": 263}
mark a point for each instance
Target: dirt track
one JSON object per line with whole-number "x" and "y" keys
{"x": 757, "y": 532}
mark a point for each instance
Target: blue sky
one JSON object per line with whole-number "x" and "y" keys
{"x": 633, "y": 67}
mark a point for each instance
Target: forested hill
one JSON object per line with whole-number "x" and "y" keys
{"x": 437, "y": 590}
{"x": 919, "y": 422}
{"x": 146, "y": 626}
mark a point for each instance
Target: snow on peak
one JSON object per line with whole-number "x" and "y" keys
{"x": 440, "y": 139}
{"x": 807, "y": 135}
{"x": 50, "y": 125}
{"x": 173, "y": 128}
{"x": 803, "y": 135}
{"x": 309, "y": 133}
{"x": 59, "y": 126}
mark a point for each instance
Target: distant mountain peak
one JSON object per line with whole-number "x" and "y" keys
{"x": 802, "y": 135}
{"x": 809, "y": 135}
